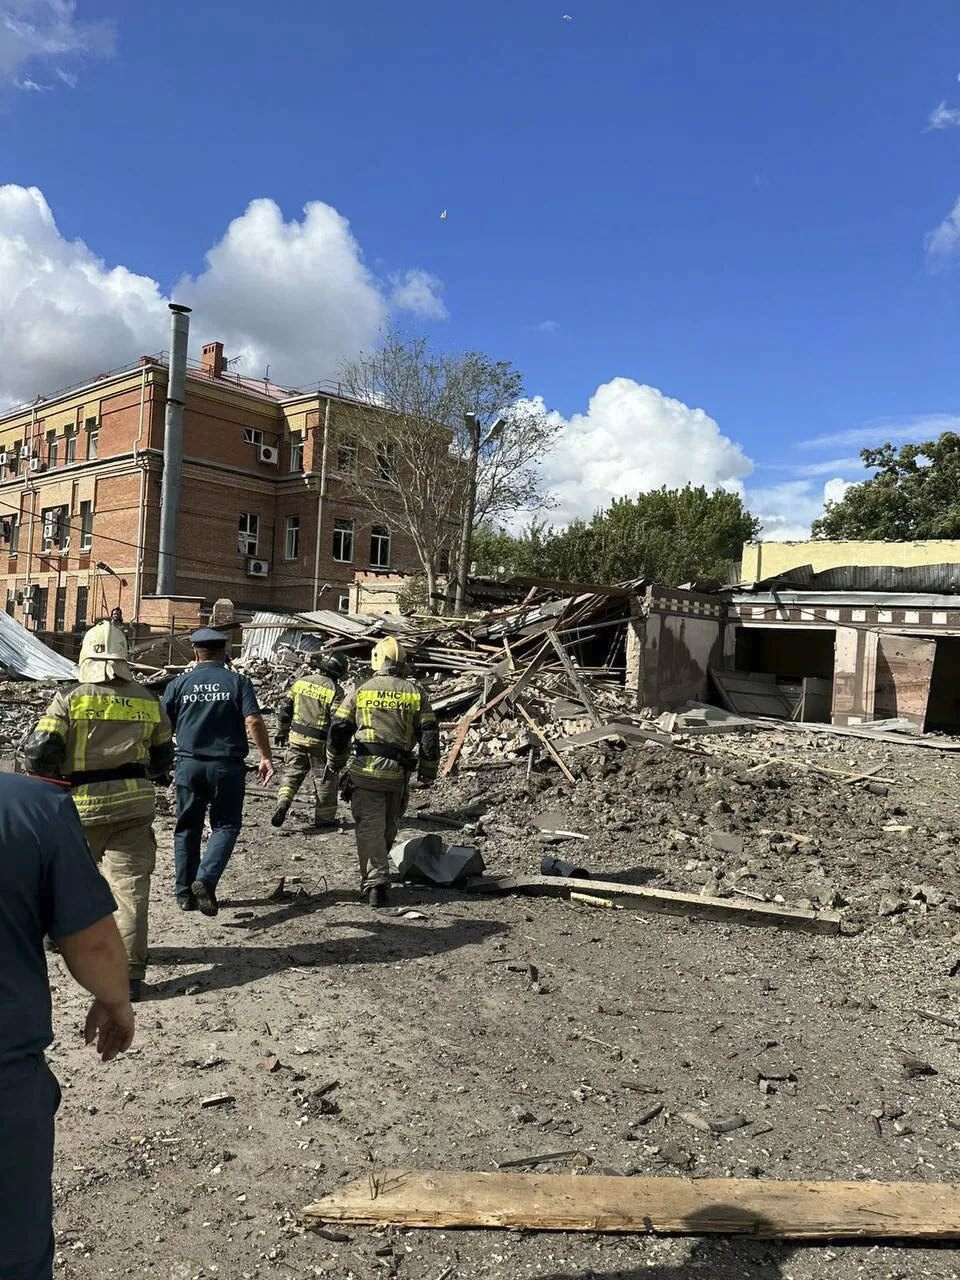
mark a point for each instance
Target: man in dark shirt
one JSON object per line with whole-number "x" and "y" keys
{"x": 49, "y": 885}
{"x": 211, "y": 709}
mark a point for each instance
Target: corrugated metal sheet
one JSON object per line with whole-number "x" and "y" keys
{"x": 940, "y": 579}
{"x": 267, "y": 630}
{"x": 24, "y": 655}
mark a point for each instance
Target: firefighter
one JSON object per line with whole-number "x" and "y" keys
{"x": 110, "y": 739}
{"x": 303, "y": 719}
{"x": 390, "y": 717}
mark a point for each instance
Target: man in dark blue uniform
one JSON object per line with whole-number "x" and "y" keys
{"x": 50, "y": 886}
{"x": 212, "y": 709}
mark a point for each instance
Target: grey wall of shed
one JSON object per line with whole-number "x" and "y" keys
{"x": 669, "y": 656}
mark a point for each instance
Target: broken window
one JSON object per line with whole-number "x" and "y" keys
{"x": 296, "y": 453}
{"x": 55, "y": 528}
{"x": 343, "y": 541}
{"x": 248, "y": 536}
{"x": 253, "y": 435}
{"x": 291, "y": 541}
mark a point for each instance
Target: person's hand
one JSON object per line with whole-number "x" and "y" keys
{"x": 265, "y": 770}
{"x": 111, "y": 1026}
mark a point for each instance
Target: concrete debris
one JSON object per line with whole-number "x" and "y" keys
{"x": 427, "y": 857}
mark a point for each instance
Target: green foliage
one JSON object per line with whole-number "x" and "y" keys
{"x": 915, "y": 493}
{"x": 669, "y": 535}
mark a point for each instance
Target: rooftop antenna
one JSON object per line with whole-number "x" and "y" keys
{"x": 266, "y": 375}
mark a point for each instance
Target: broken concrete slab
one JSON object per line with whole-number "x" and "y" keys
{"x": 427, "y": 857}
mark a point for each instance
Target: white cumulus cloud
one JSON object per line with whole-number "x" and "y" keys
{"x": 292, "y": 294}
{"x": 787, "y": 510}
{"x": 631, "y": 439}
{"x": 943, "y": 117}
{"x": 45, "y": 33}
{"x": 420, "y": 293}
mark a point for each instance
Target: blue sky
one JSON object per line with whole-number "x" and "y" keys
{"x": 726, "y": 204}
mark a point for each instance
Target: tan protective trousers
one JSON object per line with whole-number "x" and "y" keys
{"x": 377, "y": 816}
{"x": 299, "y": 763}
{"x": 126, "y": 853}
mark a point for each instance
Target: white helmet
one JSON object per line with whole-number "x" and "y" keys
{"x": 104, "y": 643}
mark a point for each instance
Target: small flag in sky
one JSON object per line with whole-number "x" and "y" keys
{"x": 443, "y": 216}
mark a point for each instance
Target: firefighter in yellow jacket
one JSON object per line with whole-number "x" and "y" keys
{"x": 303, "y": 720}
{"x": 388, "y": 717}
{"x": 110, "y": 739}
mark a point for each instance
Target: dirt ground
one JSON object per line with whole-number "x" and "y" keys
{"x": 427, "y": 1041}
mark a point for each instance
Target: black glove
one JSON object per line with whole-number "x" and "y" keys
{"x": 346, "y": 787}
{"x": 280, "y": 739}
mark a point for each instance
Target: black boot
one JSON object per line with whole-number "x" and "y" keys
{"x": 205, "y": 896}
{"x": 136, "y": 990}
{"x": 377, "y": 896}
{"x": 280, "y": 813}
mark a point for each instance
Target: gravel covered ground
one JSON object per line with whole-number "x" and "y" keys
{"x": 347, "y": 1040}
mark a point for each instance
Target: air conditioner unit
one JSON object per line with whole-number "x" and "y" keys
{"x": 257, "y": 568}
{"x": 4, "y": 459}
{"x": 50, "y": 530}
{"x": 30, "y": 592}
{"x": 37, "y": 464}
{"x": 269, "y": 453}
{"x": 28, "y": 608}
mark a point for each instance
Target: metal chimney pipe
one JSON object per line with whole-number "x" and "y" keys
{"x": 173, "y": 450}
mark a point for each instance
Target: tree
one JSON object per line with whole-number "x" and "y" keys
{"x": 407, "y": 419}
{"x": 915, "y": 493}
{"x": 668, "y": 535}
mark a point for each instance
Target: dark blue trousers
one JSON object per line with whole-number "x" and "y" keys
{"x": 202, "y": 785}
{"x": 29, "y": 1097}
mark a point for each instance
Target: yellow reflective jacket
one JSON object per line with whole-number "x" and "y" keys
{"x": 388, "y": 718}
{"x": 107, "y": 740}
{"x": 305, "y": 712}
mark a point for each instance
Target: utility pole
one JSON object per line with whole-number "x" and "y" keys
{"x": 470, "y": 505}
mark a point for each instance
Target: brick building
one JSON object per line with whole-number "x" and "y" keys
{"x": 268, "y": 514}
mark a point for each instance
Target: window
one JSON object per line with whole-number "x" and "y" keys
{"x": 296, "y": 453}
{"x": 93, "y": 439}
{"x": 380, "y": 547}
{"x": 347, "y": 451}
{"x": 248, "y": 537}
{"x": 86, "y": 526}
{"x": 291, "y": 540}
{"x": 55, "y": 527}
{"x": 14, "y": 535}
{"x": 11, "y": 599}
{"x": 14, "y": 456}
{"x": 387, "y": 462}
{"x": 60, "y": 610}
{"x": 253, "y": 435}
{"x": 343, "y": 541}
{"x": 40, "y": 609}
{"x": 81, "y": 620}
{"x": 71, "y": 439}
{"x": 343, "y": 602}
{"x": 53, "y": 446}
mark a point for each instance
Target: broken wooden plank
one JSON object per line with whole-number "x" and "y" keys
{"x": 535, "y": 729}
{"x": 574, "y": 676}
{"x": 614, "y": 731}
{"x": 670, "y": 1206}
{"x": 664, "y": 901}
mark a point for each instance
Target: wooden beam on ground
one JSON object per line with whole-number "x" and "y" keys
{"x": 668, "y": 1206}
{"x": 538, "y": 732}
{"x": 574, "y": 677}
{"x": 664, "y": 901}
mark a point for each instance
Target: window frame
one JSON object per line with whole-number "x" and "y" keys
{"x": 291, "y": 527}
{"x": 385, "y": 462}
{"x": 70, "y": 448}
{"x": 53, "y": 453}
{"x": 80, "y": 617}
{"x": 61, "y": 513}
{"x": 93, "y": 439}
{"x": 253, "y": 435}
{"x": 86, "y": 525}
{"x": 251, "y": 535}
{"x": 348, "y": 447}
{"x": 342, "y": 531}
{"x": 380, "y": 534}
{"x": 60, "y": 610}
{"x": 296, "y": 452}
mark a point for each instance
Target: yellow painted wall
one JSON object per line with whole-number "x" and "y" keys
{"x": 766, "y": 559}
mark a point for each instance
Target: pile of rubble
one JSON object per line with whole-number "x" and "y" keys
{"x": 22, "y": 702}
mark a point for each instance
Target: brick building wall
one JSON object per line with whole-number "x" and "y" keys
{"x": 98, "y": 454}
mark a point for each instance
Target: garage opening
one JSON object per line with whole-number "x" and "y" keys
{"x": 800, "y": 659}
{"x": 943, "y": 701}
